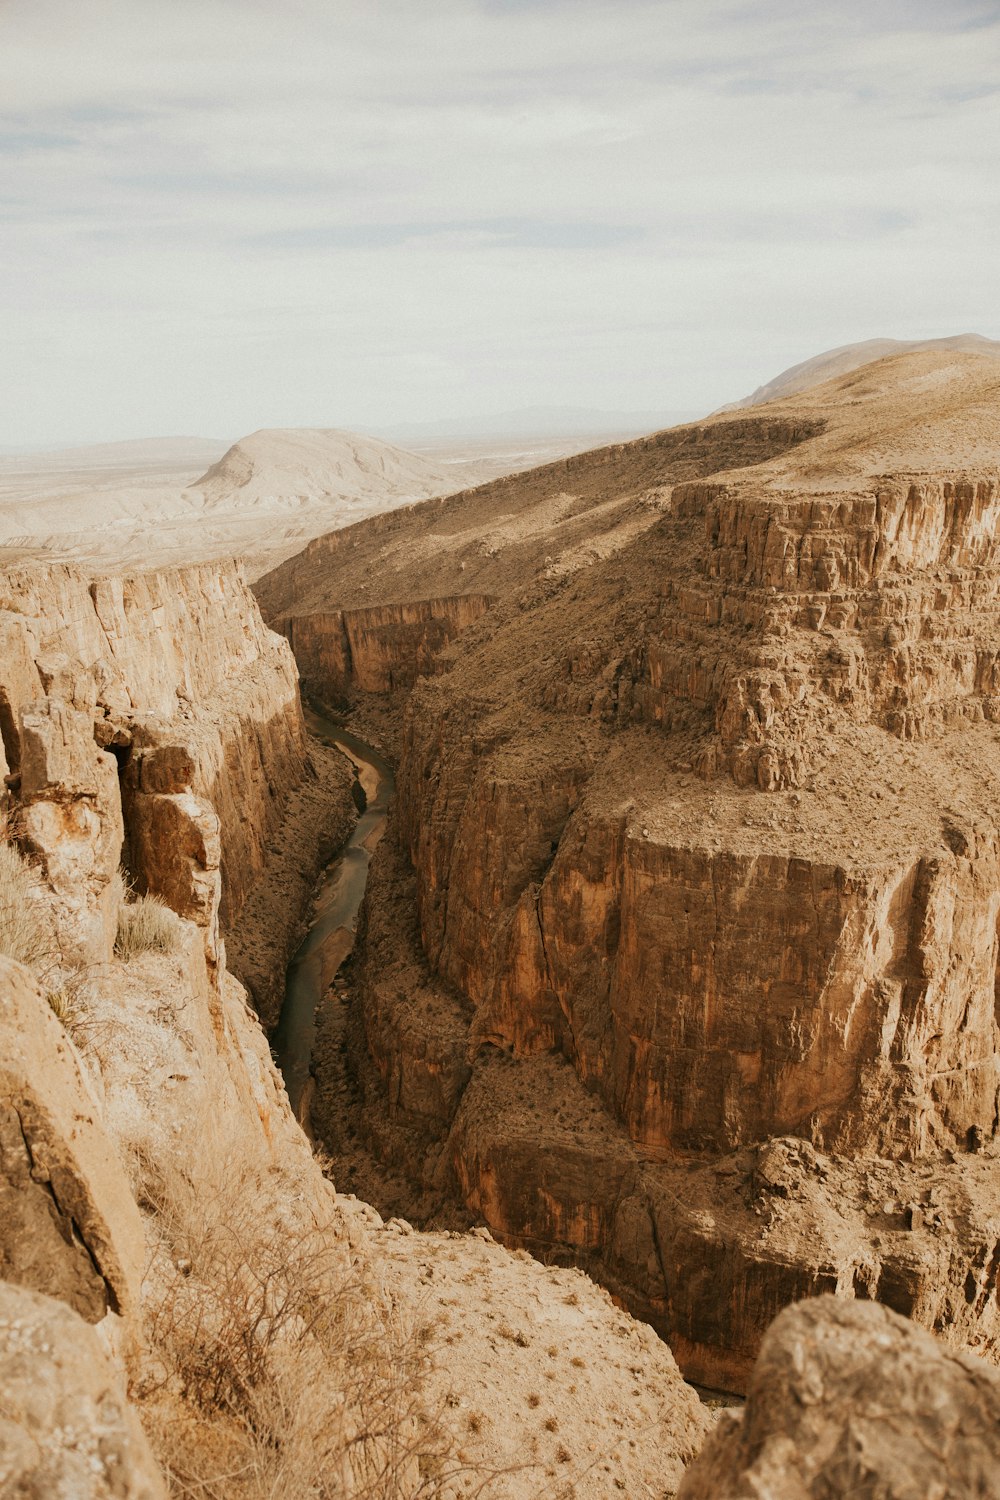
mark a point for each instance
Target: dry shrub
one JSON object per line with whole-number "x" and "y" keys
{"x": 24, "y": 934}
{"x": 145, "y": 925}
{"x": 270, "y": 1371}
{"x": 67, "y": 1003}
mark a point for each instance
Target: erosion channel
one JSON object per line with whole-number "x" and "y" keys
{"x": 337, "y": 900}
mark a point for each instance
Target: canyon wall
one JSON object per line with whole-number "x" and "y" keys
{"x": 684, "y": 973}
{"x": 170, "y": 1247}
{"x": 174, "y": 665}
{"x": 376, "y": 650}
{"x": 711, "y": 996}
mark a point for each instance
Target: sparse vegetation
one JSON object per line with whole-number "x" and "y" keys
{"x": 66, "y": 1004}
{"x": 24, "y": 935}
{"x": 145, "y": 925}
{"x": 272, "y": 1370}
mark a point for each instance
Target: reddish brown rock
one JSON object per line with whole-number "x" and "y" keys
{"x": 702, "y": 815}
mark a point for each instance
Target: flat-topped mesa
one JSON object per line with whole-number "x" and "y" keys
{"x": 877, "y": 604}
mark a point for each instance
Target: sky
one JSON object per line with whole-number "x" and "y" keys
{"x": 219, "y": 215}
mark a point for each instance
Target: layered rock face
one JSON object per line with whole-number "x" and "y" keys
{"x": 175, "y": 667}
{"x": 199, "y": 1268}
{"x": 703, "y": 837}
{"x": 376, "y": 650}
{"x": 847, "y": 995}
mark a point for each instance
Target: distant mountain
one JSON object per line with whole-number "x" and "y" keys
{"x": 847, "y": 357}
{"x": 280, "y": 467}
{"x": 532, "y": 422}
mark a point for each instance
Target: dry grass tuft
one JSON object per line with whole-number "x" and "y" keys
{"x": 24, "y": 935}
{"x": 67, "y": 1004}
{"x": 145, "y": 925}
{"x": 270, "y": 1370}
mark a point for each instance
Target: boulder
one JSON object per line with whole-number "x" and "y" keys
{"x": 848, "y": 1399}
{"x": 66, "y": 1430}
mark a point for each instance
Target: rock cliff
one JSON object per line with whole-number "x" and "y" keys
{"x": 376, "y": 650}
{"x": 201, "y": 1272}
{"x": 694, "y": 977}
{"x": 180, "y": 659}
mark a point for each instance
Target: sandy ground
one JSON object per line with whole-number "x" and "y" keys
{"x": 539, "y": 1373}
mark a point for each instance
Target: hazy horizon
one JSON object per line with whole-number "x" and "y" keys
{"x": 222, "y": 216}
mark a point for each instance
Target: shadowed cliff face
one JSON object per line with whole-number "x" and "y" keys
{"x": 376, "y": 650}
{"x": 701, "y": 818}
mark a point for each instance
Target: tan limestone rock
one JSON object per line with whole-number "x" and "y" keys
{"x": 19, "y": 680}
{"x": 187, "y": 647}
{"x": 69, "y": 1224}
{"x": 66, "y": 1429}
{"x": 849, "y": 1401}
{"x": 72, "y": 821}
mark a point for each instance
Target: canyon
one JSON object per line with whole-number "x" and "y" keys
{"x": 680, "y": 963}
{"x": 670, "y": 1037}
{"x": 186, "y": 1300}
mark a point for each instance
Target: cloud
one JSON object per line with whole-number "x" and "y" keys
{"x": 221, "y": 214}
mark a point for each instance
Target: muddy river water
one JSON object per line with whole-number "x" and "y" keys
{"x": 335, "y": 907}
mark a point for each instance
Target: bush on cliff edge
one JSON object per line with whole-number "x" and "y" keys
{"x": 145, "y": 925}
{"x": 23, "y": 932}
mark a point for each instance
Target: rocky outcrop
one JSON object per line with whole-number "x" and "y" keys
{"x": 69, "y": 1225}
{"x": 69, "y": 811}
{"x": 185, "y": 655}
{"x": 376, "y": 650}
{"x": 878, "y": 604}
{"x": 849, "y": 1400}
{"x": 262, "y": 1338}
{"x": 66, "y": 1427}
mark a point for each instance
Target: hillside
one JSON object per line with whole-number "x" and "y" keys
{"x": 908, "y": 411}
{"x": 848, "y": 357}
{"x": 287, "y": 466}
{"x": 683, "y": 957}
{"x": 152, "y": 503}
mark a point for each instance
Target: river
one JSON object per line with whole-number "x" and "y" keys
{"x": 336, "y": 902}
